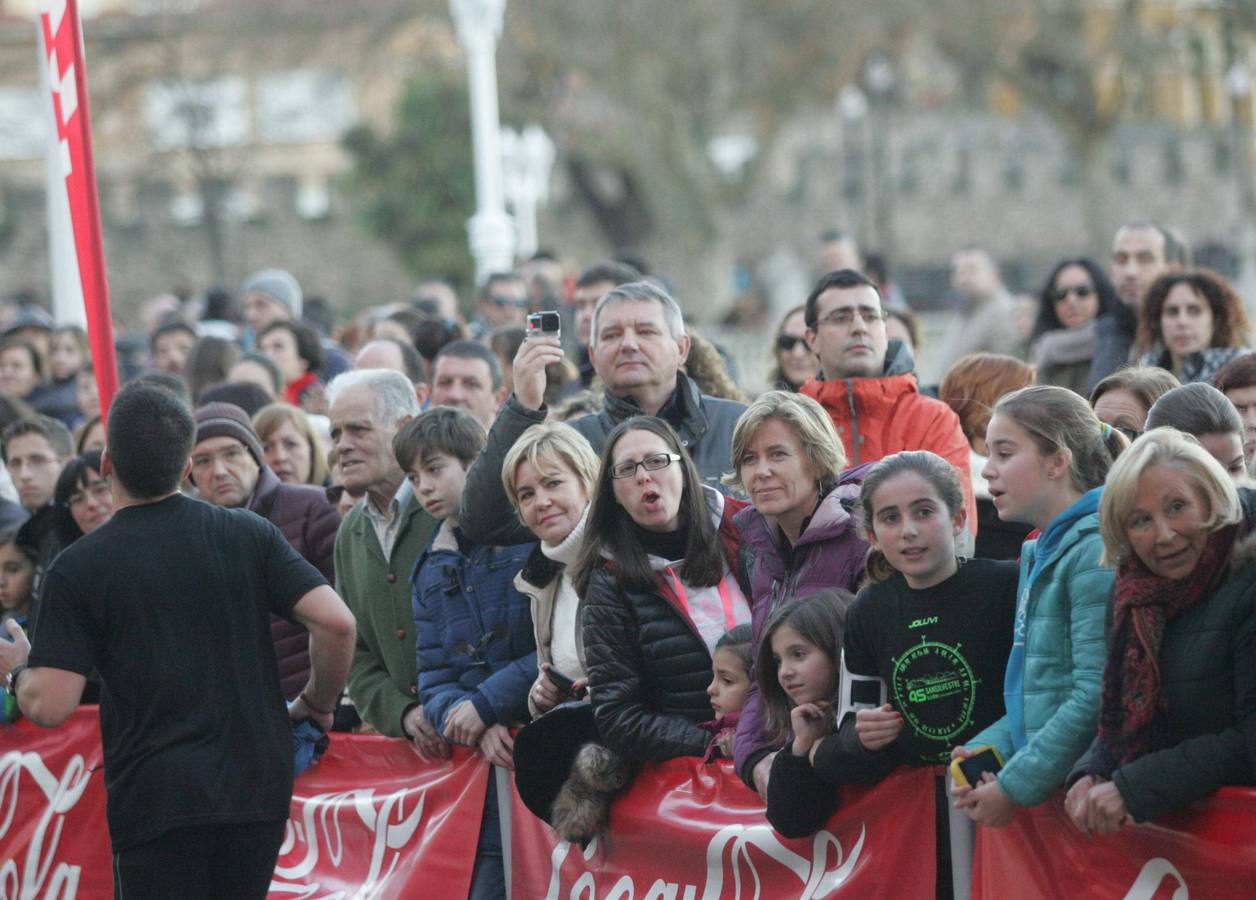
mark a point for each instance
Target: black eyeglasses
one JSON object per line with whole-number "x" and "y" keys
{"x": 787, "y": 342}
{"x": 1059, "y": 295}
{"x": 651, "y": 463}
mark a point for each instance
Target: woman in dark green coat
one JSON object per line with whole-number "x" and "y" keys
{"x": 1178, "y": 718}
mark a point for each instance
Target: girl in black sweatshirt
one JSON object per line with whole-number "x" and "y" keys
{"x": 935, "y": 629}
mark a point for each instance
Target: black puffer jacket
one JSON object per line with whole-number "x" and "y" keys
{"x": 648, "y": 667}
{"x": 309, "y": 521}
{"x": 648, "y": 672}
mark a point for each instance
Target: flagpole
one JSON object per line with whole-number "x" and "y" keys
{"x": 67, "y": 74}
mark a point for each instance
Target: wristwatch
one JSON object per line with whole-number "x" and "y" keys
{"x": 10, "y": 681}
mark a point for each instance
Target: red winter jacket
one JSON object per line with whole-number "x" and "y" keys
{"x": 876, "y": 417}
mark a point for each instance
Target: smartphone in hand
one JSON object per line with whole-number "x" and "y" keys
{"x": 968, "y": 770}
{"x": 563, "y": 683}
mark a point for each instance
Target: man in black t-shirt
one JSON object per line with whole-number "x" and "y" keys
{"x": 171, "y": 602}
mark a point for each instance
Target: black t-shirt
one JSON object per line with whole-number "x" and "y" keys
{"x": 171, "y": 602}
{"x": 942, "y": 653}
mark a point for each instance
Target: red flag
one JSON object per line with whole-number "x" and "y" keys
{"x": 62, "y": 42}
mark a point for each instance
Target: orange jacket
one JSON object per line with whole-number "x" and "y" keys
{"x": 878, "y": 416}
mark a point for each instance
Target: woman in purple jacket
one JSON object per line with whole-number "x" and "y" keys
{"x": 798, "y": 538}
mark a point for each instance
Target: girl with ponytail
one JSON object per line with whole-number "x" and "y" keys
{"x": 1049, "y": 456}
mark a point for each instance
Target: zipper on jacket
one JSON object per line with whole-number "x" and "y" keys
{"x": 854, "y": 420}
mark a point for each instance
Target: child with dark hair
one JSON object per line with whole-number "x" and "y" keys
{"x": 798, "y": 671}
{"x": 475, "y": 644}
{"x": 731, "y": 664}
{"x": 934, "y": 629}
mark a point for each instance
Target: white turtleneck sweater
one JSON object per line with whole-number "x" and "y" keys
{"x": 566, "y": 602}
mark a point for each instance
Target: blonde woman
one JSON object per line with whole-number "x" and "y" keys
{"x": 548, "y": 476}
{"x": 292, "y": 447}
{"x": 1178, "y": 712}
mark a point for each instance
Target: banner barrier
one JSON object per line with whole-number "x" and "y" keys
{"x": 1206, "y": 851}
{"x": 372, "y": 820}
{"x": 686, "y": 830}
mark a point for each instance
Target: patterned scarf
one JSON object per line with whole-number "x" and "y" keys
{"x": 1144, "y": 603}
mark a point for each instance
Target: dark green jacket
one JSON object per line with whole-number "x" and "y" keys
{"x": 383, "y": 679}
{"x": 1208, "y": 727}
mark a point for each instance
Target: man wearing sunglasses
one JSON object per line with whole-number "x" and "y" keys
{"x": 867, "y": 383}
{"x": 503, "y": 303}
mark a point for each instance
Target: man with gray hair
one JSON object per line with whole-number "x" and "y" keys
{"x": 638, "y": 345}
{"x": 376, "y": 548}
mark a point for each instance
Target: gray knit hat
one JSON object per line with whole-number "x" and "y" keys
{"x": 278, "y": 284}
{"x": 228, "y": 420}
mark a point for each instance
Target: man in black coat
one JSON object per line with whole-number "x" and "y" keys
{"x": 229, "y": 470}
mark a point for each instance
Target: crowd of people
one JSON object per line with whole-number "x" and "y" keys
{"x": 583, "y": 552}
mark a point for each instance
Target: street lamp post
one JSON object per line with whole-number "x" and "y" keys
{"x": 528, "y": 159}
{"x": 490, "y": 233}
{"x": 1238, "y": 84}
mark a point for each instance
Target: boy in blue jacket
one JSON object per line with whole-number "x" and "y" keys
{"x": 476, "y": 650}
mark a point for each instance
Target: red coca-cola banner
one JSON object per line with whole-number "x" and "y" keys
{"x": 690, "y": 830}
{"x": 371, "y": 819}
{"x": 1207, "y": 851}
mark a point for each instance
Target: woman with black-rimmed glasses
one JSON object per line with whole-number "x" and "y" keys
{"x": 794, "y": 363}
{"x": 657, "y": 580}
{"x": 1077, "y": 292}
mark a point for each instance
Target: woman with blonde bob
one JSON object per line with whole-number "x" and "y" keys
{"x": 291, "y": 446}
{"x": 548, "y": 475}
{"x": 798, "y": 538}
{"x": 1178, "y": 713}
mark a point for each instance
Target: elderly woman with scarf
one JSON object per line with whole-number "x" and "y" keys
{"x": 1178, "y": 716}
{"x": 799, "y": 536}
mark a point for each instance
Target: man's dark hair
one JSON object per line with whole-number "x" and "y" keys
{"x": 434, "y": 334}
{"x": 169, "y": 328}
{"x": 167, "y": 381}
{"x": 497, "y": 278}
{"x": 442, "y": 429}
{"x": 472, "y": 350}
{"x": 842, "y": 278}
{"x": 616, "y": 273}
{"x": 309, "y": 348}
{"x": 220, "y": 305}
{"x": 53, "y": 431}
{"x": 410, "y": 359}
{"x": 248, "y": 396}
{"x": 149, "y": 437}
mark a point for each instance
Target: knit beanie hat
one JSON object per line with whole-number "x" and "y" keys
{"x": 278, "y": 284}
{"x": 228, "y": 420}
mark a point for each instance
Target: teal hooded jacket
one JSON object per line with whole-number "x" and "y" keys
{"x": 1068, "y": 615}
